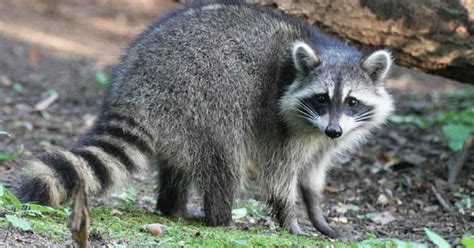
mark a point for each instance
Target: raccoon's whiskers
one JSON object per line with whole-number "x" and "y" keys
{"x": 310, "y": 111}
{"x": 303, "y": 117}
{"x": 305, "y": 113}
{"x": 364, "y": 116}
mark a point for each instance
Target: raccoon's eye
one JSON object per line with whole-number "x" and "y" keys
{"x": 352, "y": 102}
{"x": 322, "y": 98}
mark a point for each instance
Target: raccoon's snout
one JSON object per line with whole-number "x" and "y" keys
{"x": 333, "y": 131}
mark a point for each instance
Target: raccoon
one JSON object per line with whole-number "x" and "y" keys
{"x": 214, "y": 85}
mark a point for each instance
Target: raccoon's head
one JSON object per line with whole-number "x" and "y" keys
{"x": 336, "y": 91}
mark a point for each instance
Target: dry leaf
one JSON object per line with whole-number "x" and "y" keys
{"x": 33, "y": 57}
{"x": 115, "y": 212}
{"x": 381, "y": 218}
{"x": 331, "y": 189}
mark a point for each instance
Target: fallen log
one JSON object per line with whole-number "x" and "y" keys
{"x": 434, "y": 36}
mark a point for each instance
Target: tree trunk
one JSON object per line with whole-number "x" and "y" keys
{"x": 432, "y": 35}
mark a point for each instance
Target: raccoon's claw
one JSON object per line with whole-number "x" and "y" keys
{"x": 320, "y": 223}
{"x": 328, "y": 231}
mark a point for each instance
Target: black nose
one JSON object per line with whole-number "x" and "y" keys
{"x": 333, "y": 131}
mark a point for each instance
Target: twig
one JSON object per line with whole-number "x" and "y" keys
{"x": 44, "y": 104}
{"x": 78, "y": 221}
{"x": 464, "y": 155}
{"x": 447, "y": 206}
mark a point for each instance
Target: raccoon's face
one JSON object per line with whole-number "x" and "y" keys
{"x": 336, "y": 93}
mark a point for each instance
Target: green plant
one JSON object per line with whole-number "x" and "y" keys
{"x": 18, "y": 87}
{"x": 456, "y": 118}
{"x": 102, "y": 79}
{"x": 468, "y": 241}
{"x": 15, "y": 211}
{"x": 437, "y": 239}
{"x": 457, "y": 134}
{"x": 9, "y": 155}
{"x": 417, "y": 120}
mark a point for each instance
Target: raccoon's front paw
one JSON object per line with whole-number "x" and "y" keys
{"x": 329, "y": 231}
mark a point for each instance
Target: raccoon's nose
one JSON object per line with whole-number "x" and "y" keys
{"x": 333, "y": 131}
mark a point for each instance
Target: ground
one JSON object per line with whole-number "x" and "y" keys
{"x": 385, "y": 189}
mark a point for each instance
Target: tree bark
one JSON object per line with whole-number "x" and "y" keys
{"x": 432, "y": 35}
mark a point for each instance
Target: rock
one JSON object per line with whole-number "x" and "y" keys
{"x": 340, "y": 219}
{"x": 155, "y": 228}
{"x": 382, "y": 200}
{"x": 115, "y": 212}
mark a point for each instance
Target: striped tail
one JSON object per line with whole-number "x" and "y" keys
{"x": 116, "y": 148}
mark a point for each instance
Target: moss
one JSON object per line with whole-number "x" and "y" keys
{"x": 125, "y": 229}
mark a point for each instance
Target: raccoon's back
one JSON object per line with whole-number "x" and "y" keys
{"x": 207, "y": 65}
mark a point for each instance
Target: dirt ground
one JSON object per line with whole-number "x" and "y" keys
{"x": 61, "y": 45}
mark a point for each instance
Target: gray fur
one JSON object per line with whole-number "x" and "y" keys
{"x": 208, "y": 88}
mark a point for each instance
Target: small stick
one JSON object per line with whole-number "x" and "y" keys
{"x": 78, "y": 221}
{"x": 44, "y": 104}
{"x": 456, "y": 168}
{"x": 441, "y": 200}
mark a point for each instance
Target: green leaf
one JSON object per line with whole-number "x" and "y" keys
{"x": 9, "y": 201}
{"x": 239, "y": 213}
{"x": 17, "y": 222}
{"x": 50, "y": 92}
{"x": 149, "y": 199}
{"x": 462, "y": 117}
{"x": 31, "y": 213}
{"x": 419, "y": 121}
{"x": 408, "y": 244}
{"x": 18, "y": 87}
{"x": 11, "y": 155}
{"x": 2, "y": 191}
{"x": 240, "y": 241}
{"x": 464, "y": 203}
{"x": 4, "y": 133}
{"x": 39, "y": 208}
{"x": 381, "y": 242}
{"x": 255, "y": 208}
{"x": 350, "y": 207}
{"x": 457, "y": 135}
{"x": 468, "y": 241}
{"x": 371, "y": 236}
{"x": 437, "y": 239}
{"x": 102, "y": 79}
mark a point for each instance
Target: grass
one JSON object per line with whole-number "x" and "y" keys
{"x": 125, "y": 226}
{"x": 125, "y": 229}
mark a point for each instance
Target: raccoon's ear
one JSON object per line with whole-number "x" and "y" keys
{"x": 304, "y": 57}
{"x": 378, "y": 65}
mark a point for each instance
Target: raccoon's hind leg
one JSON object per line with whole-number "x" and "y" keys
{"x": 311, "y": 184}
{"x": 219, "y": 177}
{"x": 173, "y": 192}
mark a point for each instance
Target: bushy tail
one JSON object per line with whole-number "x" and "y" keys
{"x": 116, "y": 148}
